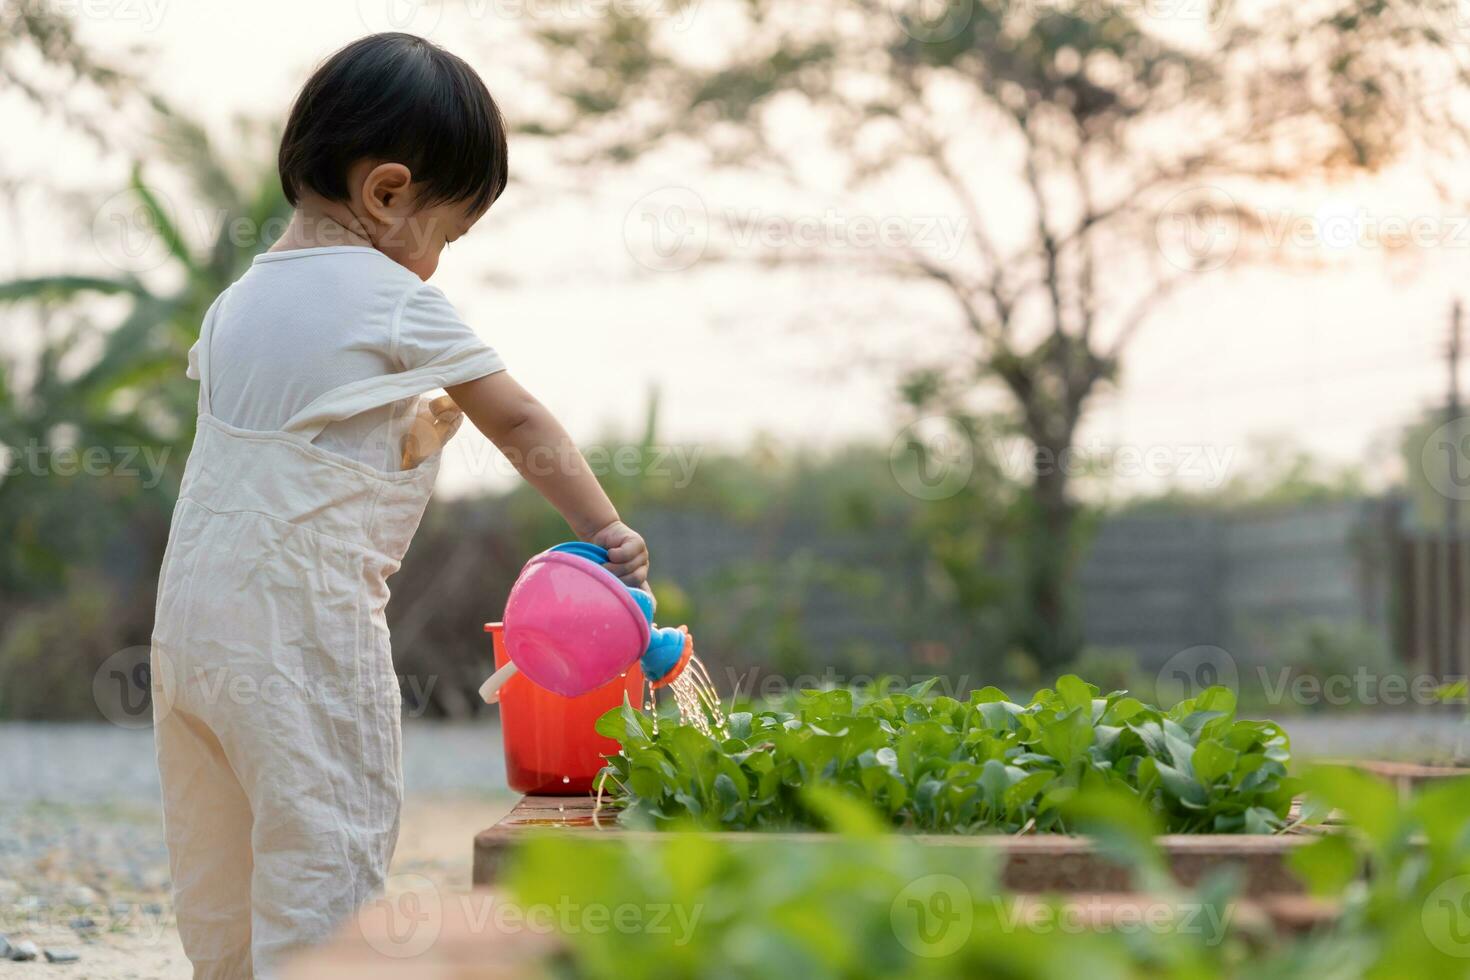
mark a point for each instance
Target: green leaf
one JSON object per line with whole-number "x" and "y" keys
{"x": 1372, "y": 803}
{"x": 1121, "y": 710}
{"x": 1213, "y": 761}
{"x": 1327, "y": 865}
{"x": 1067, "y": 738}
{"x": 1075, "y": 692}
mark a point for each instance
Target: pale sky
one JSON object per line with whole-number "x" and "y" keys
{"x": 1337, "y": 351}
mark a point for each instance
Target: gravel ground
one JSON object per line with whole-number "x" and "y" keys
{"x": 83, "y": 867}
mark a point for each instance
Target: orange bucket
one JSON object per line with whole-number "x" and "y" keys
{"x": 551, "y": 745}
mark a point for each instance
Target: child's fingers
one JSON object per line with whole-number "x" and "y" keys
{"x": 637, "y": 578}
{"x": 627, "y": 551}
{"x": 632, "y": 572}
{"x": 444, "y": 425}
{"x": 431, "y": 429}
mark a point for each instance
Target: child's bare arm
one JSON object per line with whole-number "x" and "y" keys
{"x": 542, "y": 451}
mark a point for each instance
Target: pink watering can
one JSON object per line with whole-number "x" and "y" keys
{"x": 571, "y": 626}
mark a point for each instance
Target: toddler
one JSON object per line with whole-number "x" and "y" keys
{"x": 276, "y": 704}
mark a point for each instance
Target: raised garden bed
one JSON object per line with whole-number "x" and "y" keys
{"x": 1407, "y": 777}
{"x": 1031, "y": 863}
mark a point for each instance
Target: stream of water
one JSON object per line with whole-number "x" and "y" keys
{"x": 695, "y": 698}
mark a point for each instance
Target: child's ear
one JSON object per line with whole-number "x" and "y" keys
{"x": 385, "y": 191}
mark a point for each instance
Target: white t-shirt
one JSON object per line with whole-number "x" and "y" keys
{"x": 298, "y": 324}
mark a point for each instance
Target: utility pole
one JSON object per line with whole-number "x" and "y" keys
{"x": 1456, "y": 571}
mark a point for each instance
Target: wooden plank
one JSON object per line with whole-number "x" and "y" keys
{"x": 1407, "y": 777}
{"x": 1035, "y": 863}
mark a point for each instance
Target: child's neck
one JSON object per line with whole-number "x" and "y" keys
{"x": 321, "y": 223}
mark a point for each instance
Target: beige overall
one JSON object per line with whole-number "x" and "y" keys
{"x": 276, "y": 707}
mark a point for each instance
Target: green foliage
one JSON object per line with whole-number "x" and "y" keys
{"x": 847, "y": 905}
{"x": 1409, "y": 918}
{"x": 862, "y": 904}
{"x": 943, "y": 765}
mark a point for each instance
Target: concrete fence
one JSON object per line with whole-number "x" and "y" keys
{"x": 1151, "y": 583}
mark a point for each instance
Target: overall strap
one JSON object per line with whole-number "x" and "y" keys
{"x": 357, "y": 397}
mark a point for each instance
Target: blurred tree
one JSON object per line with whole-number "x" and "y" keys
{"x": 97, "y": 379}
{"x": 96, "y": 413}
{"x": 43, "y": 59}
{"x": 1099, "y": 153}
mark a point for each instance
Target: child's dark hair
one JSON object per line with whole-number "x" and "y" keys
{"x": 399, "y": 98}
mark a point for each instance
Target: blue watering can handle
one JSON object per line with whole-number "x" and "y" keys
{"x": 665, "y": 645}
{"x": 584, "y": 549}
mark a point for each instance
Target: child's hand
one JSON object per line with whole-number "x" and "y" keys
{"x": 435, "y": 424}
{"x": 627, "y": 553}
